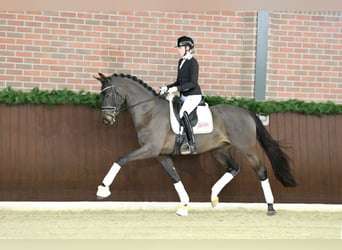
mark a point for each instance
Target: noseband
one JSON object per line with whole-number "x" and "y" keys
{"x": 114, "y": 109}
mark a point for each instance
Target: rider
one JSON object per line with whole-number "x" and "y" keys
{"x": 190, "y": 91}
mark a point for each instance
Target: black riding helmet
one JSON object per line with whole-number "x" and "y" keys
{"x": 185, "y": 41}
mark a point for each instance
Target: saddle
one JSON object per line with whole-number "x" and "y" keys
{"x": 201, "y": 118}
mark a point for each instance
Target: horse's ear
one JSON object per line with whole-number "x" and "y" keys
{"x": 97, "y": 77}
{"x": 101, "y": 77}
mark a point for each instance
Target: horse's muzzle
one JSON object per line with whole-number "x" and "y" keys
{"x": 108, "y": 119}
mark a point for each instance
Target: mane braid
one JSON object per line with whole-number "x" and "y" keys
{"x": 137, "y": 80}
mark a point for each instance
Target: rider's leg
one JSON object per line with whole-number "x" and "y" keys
{"x": 179, "y": 140}
{"x": 189, "y": 133}
{"x": 189, "y": 104}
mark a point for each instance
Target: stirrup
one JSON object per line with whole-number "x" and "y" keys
{"x": 188, "y": 149}
{"x": 192, "y": 149}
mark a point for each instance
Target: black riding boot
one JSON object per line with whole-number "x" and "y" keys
{"x": 190, "y": 135}
{"x": 178, "y": 144}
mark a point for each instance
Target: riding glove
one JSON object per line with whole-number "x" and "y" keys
{"x": 172, "y": 89}
{"x": 163, "y": 90}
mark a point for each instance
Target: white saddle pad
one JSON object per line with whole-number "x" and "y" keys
{"x": 205, "y": 119}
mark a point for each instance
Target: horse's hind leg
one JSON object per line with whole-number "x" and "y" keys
{"x": 167, "y": 164}
{"x": 224, "y": 157}
{"x": 261, "y": 172}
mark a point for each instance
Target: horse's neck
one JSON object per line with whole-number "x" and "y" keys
{"x": 135, "y": 97}
{"x": 143, "y": 112}
{"x": 142, "y": 105}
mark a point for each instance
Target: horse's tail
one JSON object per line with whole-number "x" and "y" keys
{"x": 278, "y": 158}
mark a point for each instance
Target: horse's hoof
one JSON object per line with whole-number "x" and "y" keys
{"x": 102, "y": 192}
{"x": 270, "y": 210}
{"x": 214, "y": 201}
{"x": 182, "y": 211}
{"x": 270, "y": 213}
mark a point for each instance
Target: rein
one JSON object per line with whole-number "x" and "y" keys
{"x": 136, "y": 104}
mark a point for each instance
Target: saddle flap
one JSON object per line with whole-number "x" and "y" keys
{"x": 201, "y": 118}
{"x": 177, "y": 105}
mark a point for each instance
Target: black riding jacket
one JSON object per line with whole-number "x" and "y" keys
{"x": 187, "y": 78}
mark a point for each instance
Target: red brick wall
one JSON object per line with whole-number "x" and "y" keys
{"x": 305, "y": 56}
{"x": 52, "y": 49}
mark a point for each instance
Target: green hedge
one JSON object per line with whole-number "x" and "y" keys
{"x": 292, "y": 105}
{"x": 49, "y": 97}
{"x": 54, "y": 97}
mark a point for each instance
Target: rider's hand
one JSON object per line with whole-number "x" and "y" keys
{"x": 173, "y": 89}
{"x": 163, "y": 90}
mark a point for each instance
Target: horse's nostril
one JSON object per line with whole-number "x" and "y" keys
{"x": 105, "y": 121}
{"x": 108, "y": 119}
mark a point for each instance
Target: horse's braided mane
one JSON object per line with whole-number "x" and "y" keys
{"x": 137, "y": 80}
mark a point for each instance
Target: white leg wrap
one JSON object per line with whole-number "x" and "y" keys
{"x": 109, "y": 178}
{"x": 220, "y": 184}
{"x": 266, "y": 187}
{"x": 182, "y": 194}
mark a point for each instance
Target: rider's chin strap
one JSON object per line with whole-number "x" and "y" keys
{"x": 186, "y": 56}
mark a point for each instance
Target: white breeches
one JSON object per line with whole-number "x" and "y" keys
{"x": 190, "y": 103}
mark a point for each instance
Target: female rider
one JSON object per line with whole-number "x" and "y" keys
{"x": 190, "y": 91}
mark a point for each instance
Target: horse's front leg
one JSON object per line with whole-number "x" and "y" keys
{"x": 167, "y": 164}
{"x": 103, "y": 190}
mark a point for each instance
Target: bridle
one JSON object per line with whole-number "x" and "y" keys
{"x": 116, "y": 109}
{"x": 112, "y": 109}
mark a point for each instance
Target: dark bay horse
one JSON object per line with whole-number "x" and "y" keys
{"x": 234, "y": 127}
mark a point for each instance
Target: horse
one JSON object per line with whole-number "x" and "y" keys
{"x": 234, "y": 127}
